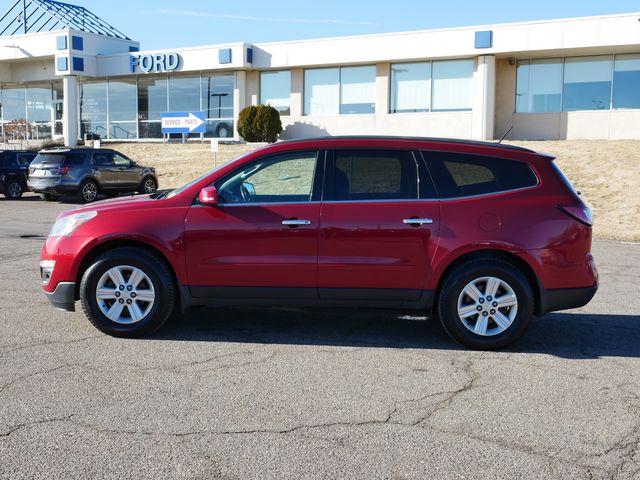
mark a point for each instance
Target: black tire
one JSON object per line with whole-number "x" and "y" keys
{"x": 13, "y": 190}
{"x": 472, "y": 271}
{"x": 224, "y": 130}
{"x": 49, "y": 197}
{"x": 155, "y": 269}
{"x": 148, "y": 185}
{"x": 88, "y": 191}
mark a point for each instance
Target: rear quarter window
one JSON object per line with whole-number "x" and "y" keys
{"x": 463, "y": 175}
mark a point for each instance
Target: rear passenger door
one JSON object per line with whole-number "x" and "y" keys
{"x": 105, "y": 170}
{"x": 379, "y": 226}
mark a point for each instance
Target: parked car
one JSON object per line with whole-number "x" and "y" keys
{"x": 87, "y": 172}
{"x": 481, "y": 235}
{"x": 14, "y": 170}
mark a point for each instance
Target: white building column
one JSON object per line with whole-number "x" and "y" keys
{"x": 239, "y": 100}
{"x": 484, "y": 98}
{"x": 70, "y": 110}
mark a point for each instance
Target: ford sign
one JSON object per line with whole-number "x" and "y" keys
{"x": 156, "y": 62}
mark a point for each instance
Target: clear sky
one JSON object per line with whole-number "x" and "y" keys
{"x": 159, "y": 24}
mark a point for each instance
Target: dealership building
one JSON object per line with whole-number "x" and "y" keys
{"x": 64, "y": 72}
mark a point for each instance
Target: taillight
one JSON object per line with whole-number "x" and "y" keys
{"x": 64, "y": 170}
{"x": 579, "y": 213}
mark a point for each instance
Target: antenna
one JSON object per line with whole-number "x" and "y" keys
{"x": 505, "y": 134}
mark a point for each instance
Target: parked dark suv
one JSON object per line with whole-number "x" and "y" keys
{"x": 14, "y": 169}
{"x": 483, "y": 236}
{"x": 86, "y": 172}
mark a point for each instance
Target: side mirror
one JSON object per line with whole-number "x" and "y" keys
{"x": 208, "y": 196}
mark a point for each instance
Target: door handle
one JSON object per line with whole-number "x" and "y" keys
{"x": 417, "y": 221}
{"x": 294, "y": 222}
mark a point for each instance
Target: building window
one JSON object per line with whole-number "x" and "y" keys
{"x": 93, "y": 108}
{"x": 410, "y": 87}
{"x": 626, "y": 81}
{"x": 322, "y": 91}
{"x": 357, "y": 90}
{"x": 587, "y": 83}
{"x": 152, "y": 101}
{"x": 217, "y": 103}
{"x": 275, "y": 90}
{"x": 123, "y": 99}
{"x": 539, "y": 85}
{"x": 346, "y": 90}
{"x": 452, "y": 85}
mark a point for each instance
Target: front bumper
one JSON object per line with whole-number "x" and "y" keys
{"x": 63, "y": 297}
{"x": 564, "y": 298}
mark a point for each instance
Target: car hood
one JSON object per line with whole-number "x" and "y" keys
{"x": 119, "y": 203}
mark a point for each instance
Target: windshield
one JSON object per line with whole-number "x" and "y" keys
{"x": 51, "y": 158}
{"x": 188, "y": 185}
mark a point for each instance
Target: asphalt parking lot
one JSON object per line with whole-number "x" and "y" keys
{"x": 258, "y": 393}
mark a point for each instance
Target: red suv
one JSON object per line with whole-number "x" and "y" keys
{"x": 482, "y": 235}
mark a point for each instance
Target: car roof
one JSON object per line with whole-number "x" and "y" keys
{"x": 431, "y": 140}
{"x": 75, "y": 149}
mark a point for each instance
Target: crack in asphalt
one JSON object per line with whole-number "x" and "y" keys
{"x": 35, "y": 374}
{"x": 40, "y": 344}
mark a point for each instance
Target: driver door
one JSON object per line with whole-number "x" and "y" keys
{"x": 261, "y": 241}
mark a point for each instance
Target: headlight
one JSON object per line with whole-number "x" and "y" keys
{"x": 67, "y": 225}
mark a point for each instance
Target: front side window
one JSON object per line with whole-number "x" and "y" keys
{"x": 587, "y": 83}
{"x": 275, "y": 90}
{"x": 462, "y": 175}
{"x": 121, "y": 160}
{"x": 539, "y": 86}
{"x": 372, "y": 175}
{"x": 280, "y": 179}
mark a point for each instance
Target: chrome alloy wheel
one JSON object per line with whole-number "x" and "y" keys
{"x": 14, "y": 190}
{"x": 149, "y": 185}
{"x": 487, "y": 306}
{"x": 89, "y": 191}
{"x": 125, "y": 294}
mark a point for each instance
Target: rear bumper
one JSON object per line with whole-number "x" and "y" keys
{"x": 564, "y": 298}
{"x": 52, "y": 187}
{"x": 63, "y": 297}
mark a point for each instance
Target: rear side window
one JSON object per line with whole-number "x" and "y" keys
{"x": 372, "y": 175}
{"x": 74, "y": 159}
{"x": 102, "y": 159}
{"x": 462, "y": 175}
{"x": 25, "y": 159}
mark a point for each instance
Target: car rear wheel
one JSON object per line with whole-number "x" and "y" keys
{"x": 49, "y": 197}
{"x": 88, "y": 191}
{"x": 148, "y": 185}
{"x": 128, "y": 292}
{"x": 485, "y": 304}
{"x": 13, "y": 190}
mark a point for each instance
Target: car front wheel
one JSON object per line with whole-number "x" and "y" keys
{"x": 128, "y": 292}
{"x": 485, "y": 304}
{"x": 148, "y": 185}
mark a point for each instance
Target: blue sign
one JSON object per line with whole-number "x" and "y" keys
{"x": 156, "y": 62}
{"x": 183, "y": 122}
